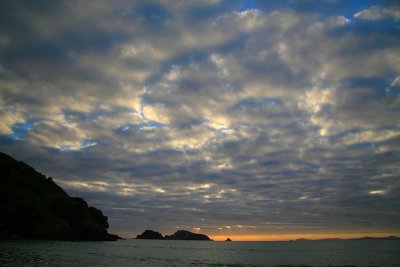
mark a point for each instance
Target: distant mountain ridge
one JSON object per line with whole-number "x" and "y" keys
{"x": 359, "y": 238}
{"x": 178, "y": 235}
{"x": 34, "y": 207}
{"x": 377, "y": 238}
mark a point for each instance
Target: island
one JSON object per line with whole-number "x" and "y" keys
{"x": 228, "y": 240}
{"x": 149, "y": 234}
{"x": 186, "y": 235}
{"x": 178, "y": 235}
{"x": 33, "y": 206}
{"x": 395, "y": 238}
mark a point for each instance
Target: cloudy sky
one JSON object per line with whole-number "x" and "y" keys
{"x": 253, "y": 118}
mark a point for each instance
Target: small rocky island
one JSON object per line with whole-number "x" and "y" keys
{"x": 186, "y": 235}
{"x": 178, "y": 235}
{"x": 35, "y": 207}
{"x": 149, "y": 234}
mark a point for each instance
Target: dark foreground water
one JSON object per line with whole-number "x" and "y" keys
{"x": 383, "y": 253}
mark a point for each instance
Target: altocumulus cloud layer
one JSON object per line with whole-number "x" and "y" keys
{"x": 228, "y": 116}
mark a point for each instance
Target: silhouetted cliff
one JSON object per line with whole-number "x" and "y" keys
{"x": 149, "y": 234}
{"x": 186, "y": 235}
{"x": 33, "y": 206}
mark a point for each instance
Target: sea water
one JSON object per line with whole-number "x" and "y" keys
{"x": 383, "y": 253}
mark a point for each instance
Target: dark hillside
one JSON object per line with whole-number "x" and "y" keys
{"x": 33, "y": 206}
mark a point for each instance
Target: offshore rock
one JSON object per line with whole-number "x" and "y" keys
{"x": 186, "y": 235}
{"x": 149, "y": 234}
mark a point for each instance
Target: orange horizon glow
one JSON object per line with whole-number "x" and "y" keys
{"x": 285, "y": 237}
{"x": 288, "y": 237}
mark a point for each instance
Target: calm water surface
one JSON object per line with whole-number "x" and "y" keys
{"x": 201, "y": 253}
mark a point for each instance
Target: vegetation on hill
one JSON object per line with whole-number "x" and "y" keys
{"x": 35, "y": 207}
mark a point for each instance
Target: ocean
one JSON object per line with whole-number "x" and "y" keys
{"x": 385, "y": 253}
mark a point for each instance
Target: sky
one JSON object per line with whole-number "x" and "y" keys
{"x": 257, "y": 120}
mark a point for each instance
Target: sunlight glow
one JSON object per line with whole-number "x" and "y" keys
{"x": 377, "y": 192}
{"x": 289, "y": 237}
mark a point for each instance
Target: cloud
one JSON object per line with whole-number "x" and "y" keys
{"x": 277, "y": 116}
{"x": 378, "y": 13}
{"x": 7, "y": 120}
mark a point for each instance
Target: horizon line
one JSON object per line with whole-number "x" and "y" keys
{"x": 287, "y": 237}
{"x": 294, "y": 237}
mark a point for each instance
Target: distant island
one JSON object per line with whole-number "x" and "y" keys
{"x": 186, "y": 235}
{"x": 35, "y": 207}
{"x": 377, "y": 238}
{"x": 359, "y": 238}
{"x": 178, "y": 235}
{"x": 150, "y": 234}
{"x": 228, "y": 240}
